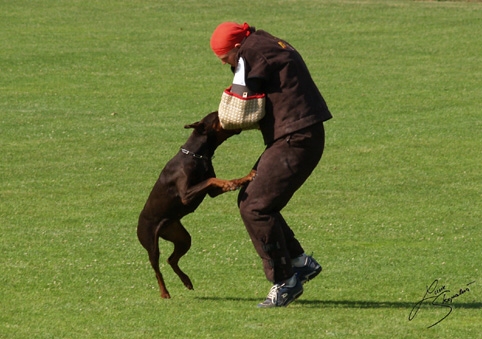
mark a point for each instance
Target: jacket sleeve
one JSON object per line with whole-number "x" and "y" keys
{"x": 257, "y": 71}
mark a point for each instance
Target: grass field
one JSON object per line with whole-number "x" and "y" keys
{"x": 93, "y": 99}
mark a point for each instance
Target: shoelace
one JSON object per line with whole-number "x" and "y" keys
{"x": 273, "y": 292}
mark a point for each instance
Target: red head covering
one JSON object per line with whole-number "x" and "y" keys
{"x": 226, "y": 35}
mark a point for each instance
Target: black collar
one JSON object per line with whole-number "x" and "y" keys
{"x": 194, "y": 155}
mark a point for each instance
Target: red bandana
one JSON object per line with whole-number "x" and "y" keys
{"x": 226, "y": 35}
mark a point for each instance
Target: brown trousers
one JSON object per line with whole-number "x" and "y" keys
{"x": 281, "y": 169}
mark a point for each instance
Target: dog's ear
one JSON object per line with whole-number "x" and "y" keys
{"x": 198, "y": 126}
{"x": 193, "y": 125}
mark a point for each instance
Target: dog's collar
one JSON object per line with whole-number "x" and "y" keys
{"x": 194, "y": 155}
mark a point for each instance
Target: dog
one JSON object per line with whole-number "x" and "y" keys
{"x": 181, "y": 187}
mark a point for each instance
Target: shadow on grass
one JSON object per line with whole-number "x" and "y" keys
{"x": 376, "y": 304}
{"x": 349, "y": 303}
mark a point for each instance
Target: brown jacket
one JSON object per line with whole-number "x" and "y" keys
{"x": 274, "y": 67}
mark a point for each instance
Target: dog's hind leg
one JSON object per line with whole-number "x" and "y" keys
{"x": 149, "y": 238}
{"x": 177, "y": 234}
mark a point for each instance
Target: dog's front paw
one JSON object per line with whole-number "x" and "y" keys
{"x": 230, "y": 185}
{"x": 251, "y": 176}
{"x": 243, "y": 181}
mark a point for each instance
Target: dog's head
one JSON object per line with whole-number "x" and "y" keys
{"x": 211, "y": 127}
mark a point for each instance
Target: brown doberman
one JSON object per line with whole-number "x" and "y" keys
{"x": 179, "y": 190}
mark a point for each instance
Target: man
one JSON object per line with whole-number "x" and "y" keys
{"x": 293, "y": 132}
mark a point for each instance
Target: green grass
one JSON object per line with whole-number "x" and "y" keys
{"x": 93, "y": 99}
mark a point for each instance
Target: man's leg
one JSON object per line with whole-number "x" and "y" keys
{"x": 281, "y": 170}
